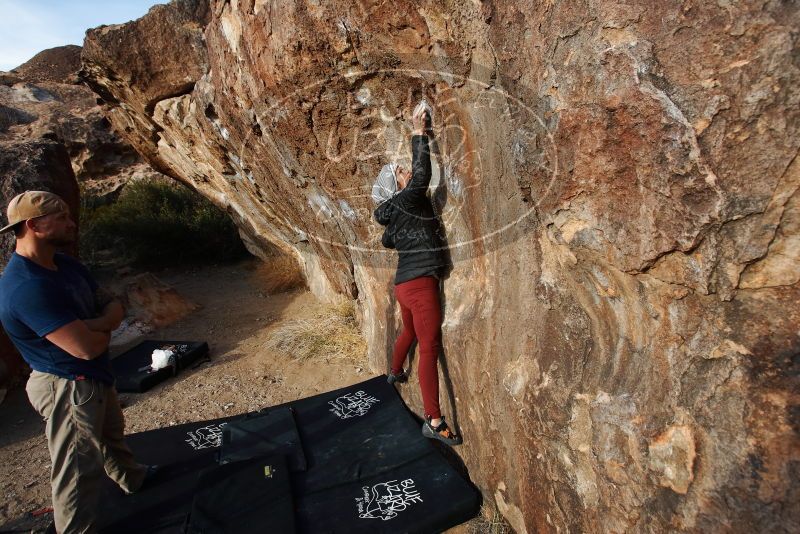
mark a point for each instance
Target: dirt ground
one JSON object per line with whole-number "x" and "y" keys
{"x": 236, "y": 319}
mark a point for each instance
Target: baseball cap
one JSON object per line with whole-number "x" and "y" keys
{"x": 32, "y": 204}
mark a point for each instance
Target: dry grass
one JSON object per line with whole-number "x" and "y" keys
{"x": 330, "y": 334}
{"x": 491, "y": 521}
{"x": 281, "y": 273}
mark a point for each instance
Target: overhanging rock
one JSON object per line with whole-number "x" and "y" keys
{"x": 619, "y": 188}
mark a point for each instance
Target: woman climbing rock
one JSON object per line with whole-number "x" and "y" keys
{"x": 412, "y": 228}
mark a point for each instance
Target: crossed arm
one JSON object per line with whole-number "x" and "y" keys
{"x": 89, "y": 338}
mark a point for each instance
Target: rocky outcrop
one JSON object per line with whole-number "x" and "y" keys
{"x": 56, "y": 65}
{"x": 45, "y": 98}
{"x": 149, "y": 300}
{"x": 149, "y": 304}
{"x": 35, "y": 165}
{"x": 619, "y": 188}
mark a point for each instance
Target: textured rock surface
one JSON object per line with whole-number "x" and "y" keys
{"x": 149, "y": 300}
{"x": 619, "y": 186}
{"x": 40, "y": 164}
{"x": 45, "y": 97}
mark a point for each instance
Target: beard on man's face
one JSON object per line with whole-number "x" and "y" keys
{"x": 60, "y": 242}
{"x": 62, "y": 239}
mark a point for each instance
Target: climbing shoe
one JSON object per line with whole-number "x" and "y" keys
{"x": 399, "y": 377}
{"x": 441, "y": 432}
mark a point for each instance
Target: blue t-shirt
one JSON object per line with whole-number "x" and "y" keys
{"x": 35, "y": 301}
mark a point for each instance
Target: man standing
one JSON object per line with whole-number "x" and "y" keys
{"x": 52, "y": 310}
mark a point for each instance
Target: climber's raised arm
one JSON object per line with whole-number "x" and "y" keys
{"x": 420, "y": 158}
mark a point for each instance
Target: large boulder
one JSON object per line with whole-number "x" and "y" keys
{"x": 58, "y": 65}
{"x": 45, "y": 97}
{"x": 619, "y": 188}
{"x": 42, "y": 165}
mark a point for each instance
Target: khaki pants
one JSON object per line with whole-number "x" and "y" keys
{"x": 85, "y": 434}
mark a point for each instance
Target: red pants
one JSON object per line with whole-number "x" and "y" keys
{"x": 422, "y": 319}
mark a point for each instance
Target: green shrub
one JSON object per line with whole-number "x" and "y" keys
{"x": 157, "y": 224}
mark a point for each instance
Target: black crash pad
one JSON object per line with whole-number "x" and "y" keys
{"x": 132, "y": 367}
{"x": 263, "y": 434}
{"x": 369, "y": 470}
{"x": 250, "y": 496}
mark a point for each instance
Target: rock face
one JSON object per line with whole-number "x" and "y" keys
{"x": 55, "y": 65}
{"x": 41, "y": 164}
{"x": 149, "y": 300}
{"x": 619, "y": 188}
{"x": 149, "y": 303}
{"x": 45, "y": 97}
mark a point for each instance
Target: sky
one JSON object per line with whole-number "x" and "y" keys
{"x": 30, "y": 26}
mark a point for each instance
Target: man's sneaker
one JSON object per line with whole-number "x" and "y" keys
{"x": 441, "y": 432}
{"x": 149, "y": 474}
{"x": 399, "y": 377}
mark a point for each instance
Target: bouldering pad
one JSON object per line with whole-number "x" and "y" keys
{"x": 368, "y": 470}
{"x": 132, "y": 368}
{"x": 249, "y": 496}
{"x": 264, "y": 433}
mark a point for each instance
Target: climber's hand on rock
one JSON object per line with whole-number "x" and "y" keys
{"x": 418, "y": 121}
